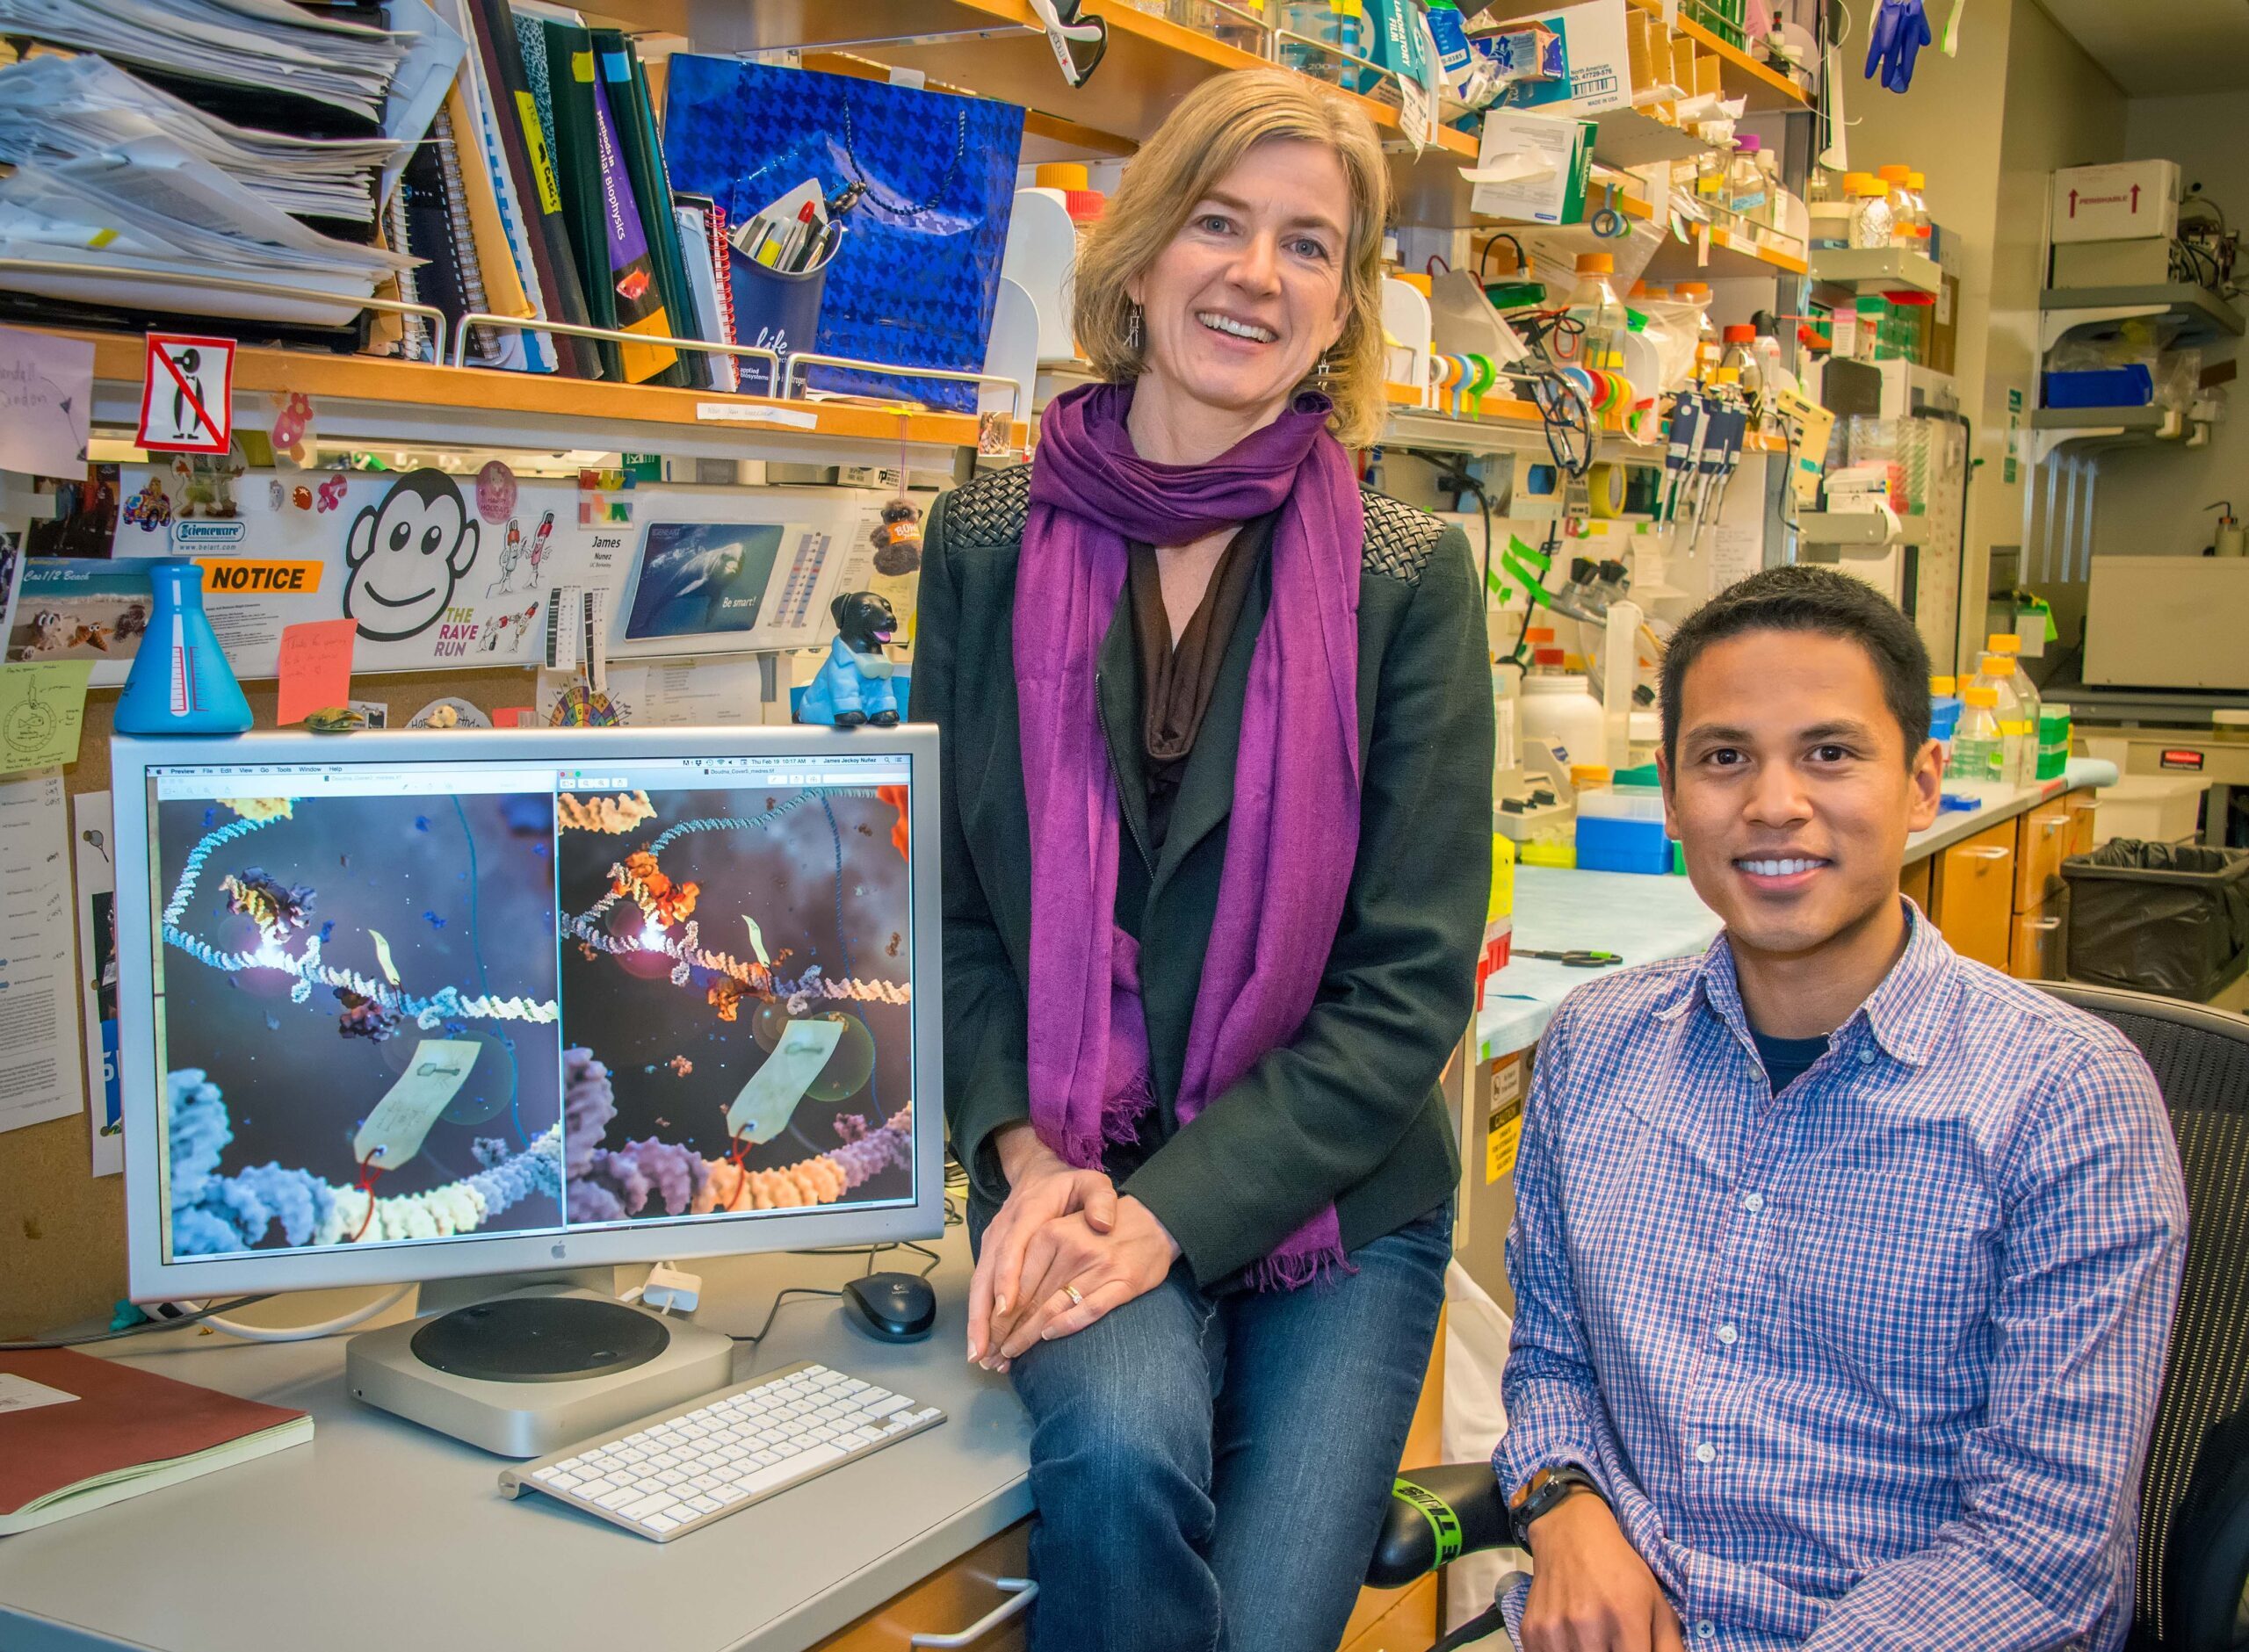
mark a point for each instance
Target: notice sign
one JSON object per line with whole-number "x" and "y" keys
{"x": 1503, "y": 1128}
{"x": 187, "y": 394}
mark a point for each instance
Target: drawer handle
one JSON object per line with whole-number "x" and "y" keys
{"x": 2042, "y": 923}
{"x": 2054, "y": 823}
{"x": 1990, "y": 852}
{"x": 1021, "y": 1592}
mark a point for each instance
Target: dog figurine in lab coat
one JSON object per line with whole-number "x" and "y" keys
{"x": 854, "y": 686}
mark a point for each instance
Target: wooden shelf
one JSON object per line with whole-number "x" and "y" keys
{"x": 1740, "y": 74}
{"x": 367, "y": 398}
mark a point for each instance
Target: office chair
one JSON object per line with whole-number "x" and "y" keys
{"x": 2193, "y": 1550}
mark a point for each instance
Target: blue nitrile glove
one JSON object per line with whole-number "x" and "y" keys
{"x": 1900, "y": 31}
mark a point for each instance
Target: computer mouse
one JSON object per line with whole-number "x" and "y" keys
{"x": 894, "y": 1307}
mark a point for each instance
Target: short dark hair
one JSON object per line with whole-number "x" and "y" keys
{"x": 1820, "y": 600}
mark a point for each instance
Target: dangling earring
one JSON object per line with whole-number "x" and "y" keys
{"x": 1324, "y": 373}
{"x": 1133, "y": 330}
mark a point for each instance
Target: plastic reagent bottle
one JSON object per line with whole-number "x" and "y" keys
{"x": 2008, "y": 647}
{"x": 1996, "y": 672}
{"x": 1594, "y": 305}
{"x": 1871, "y": 220}
{"x": 1977, "y": 750}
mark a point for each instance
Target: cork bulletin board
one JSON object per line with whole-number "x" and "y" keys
{"x": 62, "y": 1228}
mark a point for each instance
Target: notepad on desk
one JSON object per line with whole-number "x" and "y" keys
{"x": 77, "y": 1433}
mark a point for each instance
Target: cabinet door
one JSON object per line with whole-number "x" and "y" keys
{"x": 947, "y": 1602}
{"x": 1409, "y": 1626}
{"x": 2042, "y": 839}
{"x": 2035, "y": 950}
{"x": 1916, "y": 882}
{"x": 1975, "y": 895}
{"x": 2081, "y": 806}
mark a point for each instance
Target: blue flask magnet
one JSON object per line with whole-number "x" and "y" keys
{"x": 180, "y": 682}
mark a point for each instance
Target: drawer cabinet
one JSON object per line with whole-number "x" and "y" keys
{"x": 2035, "y": 951}
{"x": 1975, "y": 894}
{"x": 2042, "y": 841}
{"x": 945, "y": 1603}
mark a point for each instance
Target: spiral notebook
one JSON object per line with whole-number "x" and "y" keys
{"x": 77, "y": 1433}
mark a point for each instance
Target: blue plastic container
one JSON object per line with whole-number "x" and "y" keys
{"x": 180, "y": 682}
{"x": 1607, "y": 844}
{"x": 2129, "y": 386}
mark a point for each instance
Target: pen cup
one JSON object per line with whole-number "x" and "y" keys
{"x": 777, "y": 310}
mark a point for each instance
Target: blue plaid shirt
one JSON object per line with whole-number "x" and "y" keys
{"x": 1872, "y": 1365}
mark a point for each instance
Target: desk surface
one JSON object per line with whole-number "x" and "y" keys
{"x": 380, "y": 1531}
{"x": 1648, "y": 919}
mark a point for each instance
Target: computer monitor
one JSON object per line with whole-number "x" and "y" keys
{"x": 410, "y": 1005}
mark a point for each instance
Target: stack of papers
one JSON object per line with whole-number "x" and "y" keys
{"x": 257, "y": 46}
{"x": 57, "y": 109}
{"x": 153, "y": 208}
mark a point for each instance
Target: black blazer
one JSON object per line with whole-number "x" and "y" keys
{"x": 1349, "y": 1112}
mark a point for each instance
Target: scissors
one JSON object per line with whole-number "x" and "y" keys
{"x": 1571, "y": 960}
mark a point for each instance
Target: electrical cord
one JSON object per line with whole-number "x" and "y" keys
{"x": 305, "y": 1333}
{"x": 142, "y": 1330}
{"x": 871, "y": 1251}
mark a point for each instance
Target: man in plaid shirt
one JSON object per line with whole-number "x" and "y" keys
{"x": 1844, "y": 1266}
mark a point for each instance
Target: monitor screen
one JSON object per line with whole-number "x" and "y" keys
{"x": 432, "y": 994}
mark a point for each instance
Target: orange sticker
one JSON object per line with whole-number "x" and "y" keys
{"x": 244, "y": 577}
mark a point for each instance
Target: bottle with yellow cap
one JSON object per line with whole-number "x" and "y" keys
{"x": 1996, "y": 672}
{"x": 1978, "y": 750}
{"x": 2008, "y": 647}
{"x": 1871, "y": 220}
{"x": 1944, "y": 713}
{"x": 1901, "y": 202}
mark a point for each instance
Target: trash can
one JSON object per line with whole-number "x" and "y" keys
{"x": 2167, "y": 918}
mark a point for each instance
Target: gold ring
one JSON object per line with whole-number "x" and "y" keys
{"x": 1077, "y": 1297}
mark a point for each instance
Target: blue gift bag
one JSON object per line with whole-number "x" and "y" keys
{"x": 914, "y": 280}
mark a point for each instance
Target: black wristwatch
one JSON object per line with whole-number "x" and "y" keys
{"x": 1539, "y": 1495}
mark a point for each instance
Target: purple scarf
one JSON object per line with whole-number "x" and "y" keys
{"x": 1295, "y": 829}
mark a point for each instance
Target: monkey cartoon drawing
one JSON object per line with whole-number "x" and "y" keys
{"x": 406, "y": 556}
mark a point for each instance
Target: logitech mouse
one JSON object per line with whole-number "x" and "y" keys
{"x": 894, "y": 1307}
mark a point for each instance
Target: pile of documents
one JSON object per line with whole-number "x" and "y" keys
{"x": 260, "y": 45}
{"x": 55, "y": 108}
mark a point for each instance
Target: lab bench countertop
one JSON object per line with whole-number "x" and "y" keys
{"x": 1647, "y": 918}
{"x": 378, "y": 1527}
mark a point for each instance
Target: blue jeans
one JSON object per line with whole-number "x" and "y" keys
{"x": 1210, "y": 1470}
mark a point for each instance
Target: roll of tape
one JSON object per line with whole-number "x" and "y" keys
{"x": 1486, "y": 375}
{"x": 1604, "y": 486}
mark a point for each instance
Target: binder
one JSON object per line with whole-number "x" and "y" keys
{"x": 565, "y": 104}
{"x": 632, "y": 110}
{"x": 537, "y": 188}
{"x": 507, "y": 240}
{"x": 488, "y": 234}
{"x": 714, "y": 318}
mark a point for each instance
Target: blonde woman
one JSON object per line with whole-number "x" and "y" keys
{"x": 1218, "y": 733}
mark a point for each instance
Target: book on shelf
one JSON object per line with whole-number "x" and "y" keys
{"x": 529, "y": 164}
{"x": 78, "y": 1433}
{"x": 624, "y": 84}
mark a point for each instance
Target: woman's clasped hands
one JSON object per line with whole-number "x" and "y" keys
{"x": 1065, "y": 1249}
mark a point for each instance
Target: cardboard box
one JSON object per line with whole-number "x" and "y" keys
{"x": 2132, "y": 200}
{"x": 1558, "y": 150}
{"x": 2113, "y": 264}
{"x": 1944, "y": 325}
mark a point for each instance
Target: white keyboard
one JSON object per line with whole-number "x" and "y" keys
{"x": 666, "y": 1474}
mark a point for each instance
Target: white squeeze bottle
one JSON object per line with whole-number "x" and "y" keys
{"x": 1978, "y": 753}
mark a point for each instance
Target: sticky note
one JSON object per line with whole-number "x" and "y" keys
{"x": 394, "y": 1131}
{"x": 767, "y": 1101}
{"x": 42, "y": 709}
{"x": 514, "y": 716}
{"x": 315, "y": 668}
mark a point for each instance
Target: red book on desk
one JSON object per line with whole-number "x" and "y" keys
{"x": 77, "y": 1432}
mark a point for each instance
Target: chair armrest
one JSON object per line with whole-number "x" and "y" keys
{"x": 1461, "y": 1497}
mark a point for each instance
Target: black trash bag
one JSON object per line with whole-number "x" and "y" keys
{"x": 2167, "y": 918}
